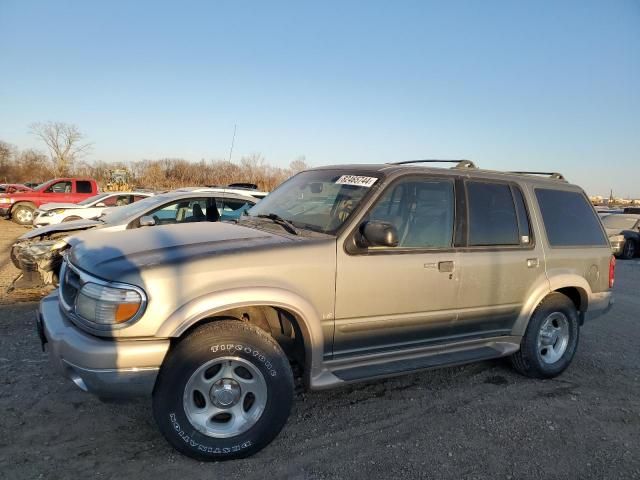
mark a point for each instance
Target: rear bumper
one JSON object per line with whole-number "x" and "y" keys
{"x": 105, "y": 367}
{"x": 599, "y": 304}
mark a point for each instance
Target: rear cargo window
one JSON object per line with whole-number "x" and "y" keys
{"x": 492, "y": 215}
{"x": 569, "y": 219}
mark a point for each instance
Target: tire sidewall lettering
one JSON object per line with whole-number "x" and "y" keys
{"x": 248, "y": 350}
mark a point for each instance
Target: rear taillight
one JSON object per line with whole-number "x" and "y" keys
{"x": 612, "y": 271}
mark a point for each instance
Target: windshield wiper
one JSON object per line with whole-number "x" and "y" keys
{"x": 286, "y": 224}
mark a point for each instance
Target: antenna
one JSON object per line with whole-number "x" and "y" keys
{"x": 233, "y": 139}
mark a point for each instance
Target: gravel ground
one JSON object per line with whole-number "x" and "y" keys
{"x": 478, "y": 421}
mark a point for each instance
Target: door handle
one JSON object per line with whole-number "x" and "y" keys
{"x": 446, "y": 267}
{"x": 533, "y": 263}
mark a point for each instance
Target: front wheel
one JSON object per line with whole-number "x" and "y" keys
{"x": 22, "y": 215}
{"x": 551, "y": 339}
{"x": 225, "y": 391}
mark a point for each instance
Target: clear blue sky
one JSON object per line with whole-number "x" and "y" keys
{"x": 509, "y": 84}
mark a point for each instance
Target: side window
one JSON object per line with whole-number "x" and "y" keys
{"x": 169, "y": 213}
{"x": 59, "y": 187}
{"x": 421, "y": 210}
{"x": 122, "y": 200}
{"x": 110, "y": 201}
{"x": 492, "y": 215}
{"x": 234, "y": 208}
{"x": 569, "y": 219}
{"x": 83, "y": 186}
{"x": 139, "y": 197}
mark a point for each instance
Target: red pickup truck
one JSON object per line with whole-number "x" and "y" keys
{"x": 19, "y": 206}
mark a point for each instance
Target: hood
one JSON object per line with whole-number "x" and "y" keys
{"x": 53, "y": 206}
{"x": 72, "y": 226}
{"x": 114, "y": 255}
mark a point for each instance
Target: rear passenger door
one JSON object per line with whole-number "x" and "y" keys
{"x": 501, "y": 261}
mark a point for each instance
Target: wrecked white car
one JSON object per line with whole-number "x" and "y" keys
{"x": 38, "y": 253}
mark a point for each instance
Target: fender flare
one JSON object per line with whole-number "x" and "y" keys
{"x": 208, "y": 305}
{"x": 555, "y": 283}
{"x": 22, "y": 202}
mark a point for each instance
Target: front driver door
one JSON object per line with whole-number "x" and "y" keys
{"x": 394, "y": 298}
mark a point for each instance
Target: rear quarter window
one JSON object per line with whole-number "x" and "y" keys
{"x": 83, "y": 186}
{"x": 569, "y": 219}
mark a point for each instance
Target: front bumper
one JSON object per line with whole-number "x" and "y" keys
{"x": 599, "y": 304}
{"x": 105, "y": 367}
{"x": 4, "y": 211}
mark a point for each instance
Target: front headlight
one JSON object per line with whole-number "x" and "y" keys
{"x": 46, "y": 246}
{"x": 106, "y": 305}
{"x": 58, "y": 211}
{"x": 6, "y": 200}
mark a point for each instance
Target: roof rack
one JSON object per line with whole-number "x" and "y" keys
{"x": 459, "y": 163}
{"x": 554, "y": 175}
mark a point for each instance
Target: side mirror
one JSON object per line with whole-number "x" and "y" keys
{"x": 147, "y": 221}
{"x": 100, "y": 204}
{"x": 379, "y": 234}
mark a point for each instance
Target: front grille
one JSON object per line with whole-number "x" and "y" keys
{"x": 69, "y": 285}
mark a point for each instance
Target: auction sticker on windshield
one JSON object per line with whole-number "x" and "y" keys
{"x": 356, "y": 180}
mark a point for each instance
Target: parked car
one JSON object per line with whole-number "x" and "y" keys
{"x": 342, "y": 274}
{"x": 19, "y": 206}
{"x": 624, "y": 234}
{"x": 13, "y": 188}
{"x": 38, "y": 253}
{"x": 90, "y": 208}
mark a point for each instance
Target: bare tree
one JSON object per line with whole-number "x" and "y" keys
{"x": 65, "y": 143}
{"x": 7, "y": 154}
{"x": 298, "y": 165}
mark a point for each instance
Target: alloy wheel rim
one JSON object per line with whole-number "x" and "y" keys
{"x": 553, "y": 338}
{"x": 225, "y": 397}
{"x": 630, "y": 249}
{"x": 24, "y": 215}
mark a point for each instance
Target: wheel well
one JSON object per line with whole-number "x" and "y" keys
{"x": 26, "y": 204}
{"x": 281, "y": 324}
{"x": 578, "y": 297}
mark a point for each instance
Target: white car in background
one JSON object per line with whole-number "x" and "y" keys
{"x": 88, "y": 209}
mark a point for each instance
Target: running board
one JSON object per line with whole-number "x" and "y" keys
{"x": 429, "y": 360}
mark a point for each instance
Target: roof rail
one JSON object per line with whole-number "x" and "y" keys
{"x": 459, "y": 163}
{"x": 554, "y": 175}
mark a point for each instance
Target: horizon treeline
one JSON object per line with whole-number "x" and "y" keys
{"x": 29, "y": 165}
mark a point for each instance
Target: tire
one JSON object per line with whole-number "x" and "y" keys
{"x": 551, "y": 339}
{"x": 14, "y": 257}
{"x": 629, "y": 250}
{"x": 71, "y": 218}
{"x": 206, "y": 425}
{"x": 22, "y": 215}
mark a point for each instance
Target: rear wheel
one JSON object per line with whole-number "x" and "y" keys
{"x": 629, "y": 250}
{"x": 223, "y": 392}
{"x": 551, "y": 339}
{"x": 22, "y": 215}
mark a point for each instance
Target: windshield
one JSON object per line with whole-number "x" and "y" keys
{"x": 90, "y": 200}
{"x": 120, "y": 214}
{"x": 619, "y": 221}
{"x": 318, "y": 200}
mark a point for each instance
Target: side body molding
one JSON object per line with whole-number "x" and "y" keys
{"x": 209, "y": 305}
